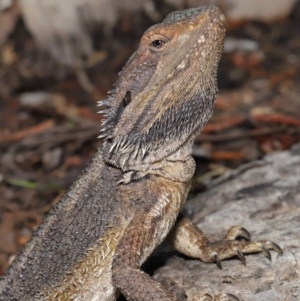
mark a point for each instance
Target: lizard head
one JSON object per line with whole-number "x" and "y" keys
{"x": 166, "y": 91}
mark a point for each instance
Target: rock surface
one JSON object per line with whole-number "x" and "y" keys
{"x": 264, "y": 199}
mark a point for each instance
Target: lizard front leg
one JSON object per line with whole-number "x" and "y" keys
{"x": 188, "y": 239}
{"x": 139, "y": 239}
{"x": 127, "y": 276}
{"x": 148, "y": 227}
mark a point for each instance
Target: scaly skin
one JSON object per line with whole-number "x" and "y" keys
{"x": 92, "y": 243}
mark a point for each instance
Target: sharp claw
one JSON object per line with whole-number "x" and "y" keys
{"x": 276, "y": 248}
{"x": 266, "y": 252}
{"x": 218, "y": 262}
{"x": 245, "y": 234}
{"x": 230, "y": 297}
{"x": 241, "y": 256}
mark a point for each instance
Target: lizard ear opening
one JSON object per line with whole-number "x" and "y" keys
{"x": 126, "y": 100}
{"x": 123, "y": 104}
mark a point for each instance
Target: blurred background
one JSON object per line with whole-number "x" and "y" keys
{"x": 58, "y": 58}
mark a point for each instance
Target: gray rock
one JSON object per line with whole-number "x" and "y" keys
{"x": 264, "y": 199}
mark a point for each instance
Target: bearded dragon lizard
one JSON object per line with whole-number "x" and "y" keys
{"x": 91, "y": 245}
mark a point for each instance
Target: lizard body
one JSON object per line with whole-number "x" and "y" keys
{"x": 92, "y": 243}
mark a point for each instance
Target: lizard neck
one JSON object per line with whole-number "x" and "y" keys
{"x": 176, "y": 171}
{"x": 179, "y": 166}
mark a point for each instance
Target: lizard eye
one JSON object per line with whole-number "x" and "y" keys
{"x": 157, "y": 43}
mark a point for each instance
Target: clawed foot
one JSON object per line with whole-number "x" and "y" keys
{"x": 188, "y": 239}
{"x": 207, "y": 297}
{"x": 230, "y": 247}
